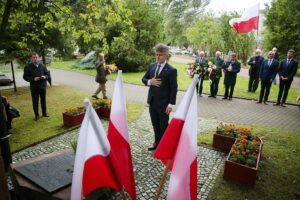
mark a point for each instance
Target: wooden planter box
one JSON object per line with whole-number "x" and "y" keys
{"x": 72, "y": 120}
{"x": 223, "y": 142}
{"x": 241, "y": 173}
{"x": 103, "y": 112}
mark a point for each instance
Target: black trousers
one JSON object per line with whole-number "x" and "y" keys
{"x": 37, "y": 93}
{"x": 284, "y": 87}
{"x": 253, "y": 83}
{"x": 227, "y": 88}
{"x": 265, "y": 89}
{"x": 214, "y": 87}
{"x": 199, "y": 86}
{"x": 159, "y": 121}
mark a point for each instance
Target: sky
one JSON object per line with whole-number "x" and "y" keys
{"x": 218, "y": 6}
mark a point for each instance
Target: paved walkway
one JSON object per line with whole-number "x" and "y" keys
{"x": 236, "y": 111}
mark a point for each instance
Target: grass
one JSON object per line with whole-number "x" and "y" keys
{"x": 25, "y": 131}
{"x": 184, "y": 81}
{"x": 279, "y": 171}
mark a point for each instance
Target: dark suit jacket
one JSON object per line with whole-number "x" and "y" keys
{"x": 220, "y": 64}
{"x": 230, "y": 76}
{"x": 268, "y": 72}
{"x": 255, "y": 67}
{"x": 31, "y": 71}
{"x": 166, "y": 93}
{"x": 288, "y": 70}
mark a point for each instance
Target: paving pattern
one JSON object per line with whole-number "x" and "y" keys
{"x": 147, "y": 169}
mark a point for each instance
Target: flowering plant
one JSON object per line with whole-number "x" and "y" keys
{"x": 111, "y": 68}
{"x": 105, "y": 103}
{"x": 75, "y": 110}
{"x": 245, "y": 151}
{"x": 233, "y": 131}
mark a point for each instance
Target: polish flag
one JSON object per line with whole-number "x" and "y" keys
{"x": 248, "y": 20}
{"x": 179, "y": 144}
{"x": 93, "y": 161}
{"x": 119, "y": 138}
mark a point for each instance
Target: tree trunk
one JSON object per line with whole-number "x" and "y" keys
{"x": 6, "y": 14}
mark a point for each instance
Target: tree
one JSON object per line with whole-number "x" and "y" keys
{"x": 282, "y": 22}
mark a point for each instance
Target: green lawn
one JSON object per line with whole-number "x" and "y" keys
{"x": 184, "y": 81}
{"x": 26, "y": 131}
{"x": 279, "y": 170}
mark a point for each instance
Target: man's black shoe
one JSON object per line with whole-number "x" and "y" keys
{"x": 282, "y": 105}
{"x": 210, "y": 96}
{"x": 151, "y": 148}
{"x": 259, "y": 102}
{"x": 276, "y": 104}
{"x": 230, "y": 98}
{"x": 224, "y": 98}
{"x": 46, "y": 115}
{"x": 266, "y": 103}
{"x": 36, "y": 118}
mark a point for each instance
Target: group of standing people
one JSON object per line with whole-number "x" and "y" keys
{"x": 265, "y": 71}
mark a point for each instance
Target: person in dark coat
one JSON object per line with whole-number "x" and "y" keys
{"x": 255, "y": 63}
{"x": 36, "y": 74}
{"x": 201, "y": 63}
{"x": 214, "y": 86}
{"x": 231, "y": 68}
{"x": 102, "y": 72}
{"x": 287, "y": 70}
{"x": 161, "y": 78}
{"x": 267, "y": 74}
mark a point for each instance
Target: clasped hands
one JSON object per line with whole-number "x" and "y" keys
{"x": 37, "y": 78}
{"x": 155, "y": 81}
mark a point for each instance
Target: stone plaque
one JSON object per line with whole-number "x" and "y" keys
{"x": 50, "y": 174}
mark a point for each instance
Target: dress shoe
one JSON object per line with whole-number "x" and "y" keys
{"x": 46, "y": 115}
{"x": 230, "y": 99}
{"x": 210, "y": 96}
{"x": 224, "y": 98}
{"x": 200, "y": 95}
{"x": 95, "y": 96}
{"x": 259, "y": 102}
{"x": 214, "y": 96}
{"x": 152, "y": 148}
{"x": 276, "y": 104}
{"x": 36, "y": 118}
{"x": 266, "y": 103}
{"x": 282, "y": 105}
{"x": 105, "y": 97}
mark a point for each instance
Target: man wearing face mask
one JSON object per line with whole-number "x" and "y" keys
{"x": 231, "y": 68}
{"x": 255, "y": 63}
{"x": 161, "y": 78}
{"x": 287, "y": 70}
{"x": 267, "y": 74}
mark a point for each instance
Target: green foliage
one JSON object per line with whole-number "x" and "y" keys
{"x": 282, "y": 22}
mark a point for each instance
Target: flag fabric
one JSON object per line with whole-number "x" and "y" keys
{"x": 93, "y": 166}
{"x": 179, "y": 144}
{"x": 119, "y": 138}
{"x": 248, "y": 20}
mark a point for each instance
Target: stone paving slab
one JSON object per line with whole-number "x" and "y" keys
{"x": 147, "y": 170}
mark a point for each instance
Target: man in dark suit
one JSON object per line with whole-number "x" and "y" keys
{"x": 267, "y": 74}
{"x": 37, "y": 74}
{"x": 214, "y": 86}
{"x": 201, "y": 63}
{"x": 162, "y": 79}
{"x": 287, "y": 70}
{"x": 231, "y": 68}
{"x": 255, "y": 63}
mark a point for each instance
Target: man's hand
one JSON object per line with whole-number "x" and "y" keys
{"x": 37, "y": 78}
{"x": 43, "y": 77}
{"x": 168, "y": 110}
{"x": 155, "y": 82}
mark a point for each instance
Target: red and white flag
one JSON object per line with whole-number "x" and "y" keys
{"x": 179, "y": 144}
{"x": 93, "y": 166}
{"x": 119, "y": 138}
{"x": 248, "y": 20}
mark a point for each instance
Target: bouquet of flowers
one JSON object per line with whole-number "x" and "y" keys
{"x": 75, "y": 110}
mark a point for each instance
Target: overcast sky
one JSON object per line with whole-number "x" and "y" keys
{"x": 218, "y": 6}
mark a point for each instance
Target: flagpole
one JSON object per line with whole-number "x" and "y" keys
{"x": 123, "y": 194}
{"x": 162, "y": 181}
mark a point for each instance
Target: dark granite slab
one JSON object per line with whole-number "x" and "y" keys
{"x": 51, "y": 173}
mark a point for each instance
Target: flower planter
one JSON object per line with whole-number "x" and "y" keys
{"x": 72, "y": 120}
{"x": 241, "y": 173}
{"x": 223, "y": 142}
{"x": 103, "y": 112}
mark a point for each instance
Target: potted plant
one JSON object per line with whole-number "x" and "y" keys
{"x": 227, "y": 133}
{"x": 104, "y": 110}
{"x": 73, "y": 116}
{"x": 242, "y": 162}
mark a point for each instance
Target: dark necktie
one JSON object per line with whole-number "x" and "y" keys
{"x": 157, "y": 70}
